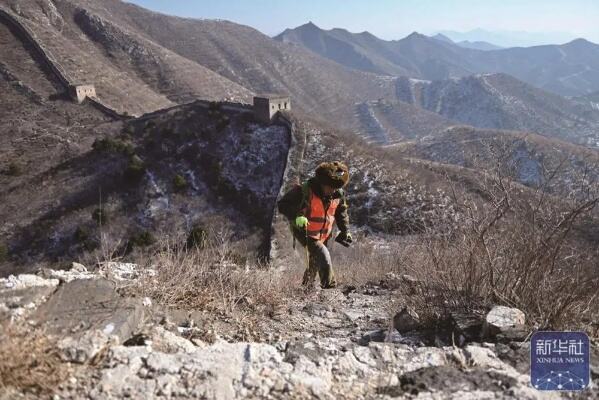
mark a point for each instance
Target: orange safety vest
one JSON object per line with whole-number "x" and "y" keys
{"x": 320, "y": 220}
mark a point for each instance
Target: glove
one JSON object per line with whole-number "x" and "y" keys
{"x": 301, "y": 222}
{"x": 345, "y": 237}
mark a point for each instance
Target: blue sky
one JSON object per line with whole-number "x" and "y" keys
{"x": 394, "y": 19}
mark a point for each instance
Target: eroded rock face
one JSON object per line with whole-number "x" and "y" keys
{"x": 326, "y": 369}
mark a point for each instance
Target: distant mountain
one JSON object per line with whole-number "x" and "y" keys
{"x": 416, "y": 55}
{"x": 500, "y": 101}
{"x": 362, "y": 51}
{"x": 508, "y": 38}
{"x": 442, "y": 38}
{"x": 591, "y": 97}
{"x": 479, "y": 45}
{"x": 570, "y": 69}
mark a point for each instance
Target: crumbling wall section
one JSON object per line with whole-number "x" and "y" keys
{"x": 281, "y": 252}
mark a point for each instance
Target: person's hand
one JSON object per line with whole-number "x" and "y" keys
{"x": 346, "y": 237}
{"x": 301, "y": 222}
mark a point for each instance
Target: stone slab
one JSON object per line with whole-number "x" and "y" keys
{"x": 90, "y": 304}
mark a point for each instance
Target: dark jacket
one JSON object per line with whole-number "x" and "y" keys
{"x": 290, "y": 204}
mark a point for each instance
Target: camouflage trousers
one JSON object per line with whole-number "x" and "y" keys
{"x": 319, "y": 261}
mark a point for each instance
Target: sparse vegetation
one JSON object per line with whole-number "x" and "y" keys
{"x": 84, "y": 237}
{"x": 517, "y": 250}
{"x": 81, "y": 234}
{"x": 222, "y": 123}
{"x": 128, "y": 130}
{"x": 198, "y": 237}
{"x": 135, "y": 169}
{"x": 110, "y": 145}
{"x": 141, "y": 239}
{"x": 207, "y": 279}
{"x": 179, "y": 183}
{"x": 214, "y": 106}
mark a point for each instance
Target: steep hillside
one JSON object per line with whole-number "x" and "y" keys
{"x": 39, "y": 128}
{"x": 130, "y": 73}
{"x": 502, "y": 102}
{"x": 154, "y": 60}
{"x": 166, "y": 174}
{"x": 530, "y": 159}
{"x": 591, "y": 99}
{"x": 386, "y": 122}
{"x": 250, "y": 59}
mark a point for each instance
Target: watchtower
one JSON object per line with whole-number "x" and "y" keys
{"x": 268, "y": 105}
{"x": 80, "y": 92}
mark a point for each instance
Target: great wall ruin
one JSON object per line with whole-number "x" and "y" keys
{"x": 266, "y": 108}
{"x": 28, "y": 37}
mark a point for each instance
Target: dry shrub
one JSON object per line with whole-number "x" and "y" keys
{"x": 30, "y": 362}
{"x": 520, "y": 248}
{"x": 367, "y": 262}
{"x": 210, "y": 277}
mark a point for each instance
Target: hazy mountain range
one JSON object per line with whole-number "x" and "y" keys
{"x": 509, "y": 38}
{"x": 477, "y": 44}
{"x": 569, "y": 69}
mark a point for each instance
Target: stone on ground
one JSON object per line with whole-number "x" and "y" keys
{"x": 406, "y": 320}
{"x": 502, "y": 318}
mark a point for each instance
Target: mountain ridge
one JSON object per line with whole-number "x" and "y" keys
{"x": 568, "y": 69}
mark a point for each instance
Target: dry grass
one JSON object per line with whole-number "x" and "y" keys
{"x": 366, "y": 262}
{"x": 30, "y": 363}
{"x": 211, "y": 278}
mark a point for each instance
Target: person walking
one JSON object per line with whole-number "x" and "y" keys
{"x": 312, "y": 209}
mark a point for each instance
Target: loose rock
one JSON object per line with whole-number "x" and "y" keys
{"x": 501, "y": 318}
{"x": 406, "y": 320}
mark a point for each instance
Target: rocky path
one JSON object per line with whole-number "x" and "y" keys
{"x": 330, "y": 344}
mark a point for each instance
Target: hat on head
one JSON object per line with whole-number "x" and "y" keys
{"x": 334, "y": 174}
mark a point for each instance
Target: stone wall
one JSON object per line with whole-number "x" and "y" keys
{"x": 280, "y": 252}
